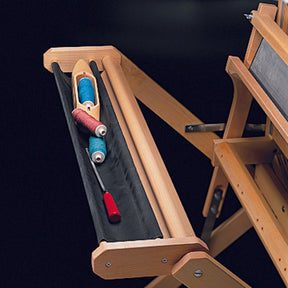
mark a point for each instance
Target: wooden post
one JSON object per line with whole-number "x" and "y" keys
{"x": 235, "y": 126}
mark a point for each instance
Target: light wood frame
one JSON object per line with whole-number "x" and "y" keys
{"x": 180, "y": 255}
{"x": 124, "y": 80}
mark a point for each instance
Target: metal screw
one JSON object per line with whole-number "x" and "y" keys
{"x": 164, "y": 260}
{"x": 198, "y": 273}
{"x": 108, "y": 264}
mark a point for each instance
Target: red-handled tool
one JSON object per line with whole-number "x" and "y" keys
{"x": 112, "y": 210}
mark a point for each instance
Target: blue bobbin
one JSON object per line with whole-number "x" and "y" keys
{"x": 86, "y": 92}
{"x": 97, "y": 149}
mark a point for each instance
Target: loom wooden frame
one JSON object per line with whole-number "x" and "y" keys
{"x": 176, "y": 257}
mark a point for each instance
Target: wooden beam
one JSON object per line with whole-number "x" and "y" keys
{"x": 67, "y": 57}
{"x": 285, "y": 20}
{"x": 166, "y": 107}
{"x": 228, "y": 232}
{"x": 280, "y": 14}
{"x": 252, "y": 150}
{"x": 283, "y": 145}
{"x": 257, "y": 209}
{"x": 274, "y": 193}
{"x": 164, "y": 282}
{"x": 145, "y": 258}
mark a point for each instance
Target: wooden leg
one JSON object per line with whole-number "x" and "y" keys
{"x": 235, "y": 126}
{"x": 218, "y": 181}
{"x": 164, "y": 282}
{"x": 198, "y": 269}
{"x": 223, "y": 236}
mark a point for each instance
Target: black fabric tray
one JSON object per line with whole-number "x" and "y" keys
{"x": 118, "y": 171}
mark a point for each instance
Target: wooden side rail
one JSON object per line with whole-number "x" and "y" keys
{"x": 165, "y": 193}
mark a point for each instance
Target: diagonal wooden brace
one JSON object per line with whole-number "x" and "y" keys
{"x": 198, "y": 269}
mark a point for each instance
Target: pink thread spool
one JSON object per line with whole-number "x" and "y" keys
{"x": 93, "y": 125}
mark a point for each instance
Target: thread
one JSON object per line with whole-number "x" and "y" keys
{"x": 97, "y": 149}
{"x": 88, "y": 121}
{"x": 86, "y": 92}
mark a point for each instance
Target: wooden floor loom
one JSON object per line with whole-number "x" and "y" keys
{"x": 256, "y": 167}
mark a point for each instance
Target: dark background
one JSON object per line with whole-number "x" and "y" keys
{"x": 47, "y": 234}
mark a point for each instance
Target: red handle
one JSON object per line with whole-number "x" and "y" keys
{"x": 112, "y": 210}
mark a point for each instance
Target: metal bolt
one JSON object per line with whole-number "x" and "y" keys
{"x": 218, "y": 194}
{"x": 164, "y": 260}
{"x": 108, "y": 264}
{"x": 198, "y": 273}
{"x": 248, "y": 16}
{"x": 214, "y": 209}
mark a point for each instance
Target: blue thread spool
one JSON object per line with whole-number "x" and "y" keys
{"x": 86, "y": 92}
{"x": 97, "y": 149}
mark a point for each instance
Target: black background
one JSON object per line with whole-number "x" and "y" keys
{"x": 47, "y": 234}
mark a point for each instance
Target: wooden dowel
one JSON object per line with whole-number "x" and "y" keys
{"x": 176, "y": 219}
{"x": 135, "y": 156}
